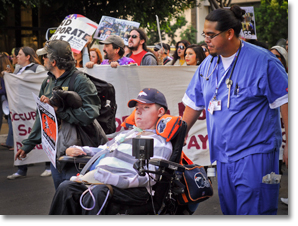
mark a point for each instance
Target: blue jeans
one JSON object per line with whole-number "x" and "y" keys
{"x": 66, "y": 173}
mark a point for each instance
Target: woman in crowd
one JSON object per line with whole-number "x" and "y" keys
{"x": 5, "y": 65}
{"x": 194, "y": 55}
{"x": 95, "y": 57}
{"x": 205, "y": 49}
{"x": 178, "y": 57}
{"x": 29, "y": 63}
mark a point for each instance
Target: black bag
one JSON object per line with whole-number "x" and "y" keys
{"x": 107, "y": 95}
{"x": 198, "y": 187}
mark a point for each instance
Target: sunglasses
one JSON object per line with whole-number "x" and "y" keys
{"x": 278, "y": 56}
{"x": 155, "y": 49}
{"x": 181, "y": 47}
{"x": 133, "y": 36}
{"x": 45, "y": 56}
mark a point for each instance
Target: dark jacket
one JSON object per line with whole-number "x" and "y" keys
{"x": 83, "y": 115}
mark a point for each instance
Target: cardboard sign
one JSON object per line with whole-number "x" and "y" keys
{"x": 249, "y": 24}
{"x": 113, "y": 26}
{"x": 75, "y": 29}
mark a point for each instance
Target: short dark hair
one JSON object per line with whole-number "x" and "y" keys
{"x": 65, "y": 63}
{"x": 227, "y": 18}
{"x": 121, "y": 50}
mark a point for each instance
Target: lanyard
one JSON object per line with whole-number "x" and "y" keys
{"x": 235, "y": 61}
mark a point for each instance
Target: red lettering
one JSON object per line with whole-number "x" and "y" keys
{"x": 19, "y": 145}
{"x": 181, "y": 109}
{"x": 21, "y": 116}
{"x": 119, "y": 125}
{"x": 193, "y": 143}
{"x": 204, "y": 140}
{"x": 38, "y": 146}
{"x": 14, "y": 117}
{"x": 22, "y": 131}
{"x": 203, "y": 115}
{"x": 33, "y": 114}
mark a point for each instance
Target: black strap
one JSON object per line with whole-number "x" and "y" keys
{"x": 72, "y": 80}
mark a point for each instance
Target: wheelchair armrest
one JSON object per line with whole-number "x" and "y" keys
{"x": 78, "y": 159}
{"x": 167, "y": 164}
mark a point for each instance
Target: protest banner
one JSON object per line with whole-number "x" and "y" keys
{"x": 128, "y": 82}
{"x": 172, "y": 81}
{"x": 75, "y": 29}
{"x": 22, "y": 109}
{"x": 113, "y": 26}
{"x": 49, "y": 128}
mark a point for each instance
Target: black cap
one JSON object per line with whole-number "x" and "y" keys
{"x": 149, "y": 96}
{"x": 57, "y": 47}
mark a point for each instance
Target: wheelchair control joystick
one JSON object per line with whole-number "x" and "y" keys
{"x": 142, "y": 149}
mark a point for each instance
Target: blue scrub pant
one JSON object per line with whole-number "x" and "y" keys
{"x": 240, "y": 187}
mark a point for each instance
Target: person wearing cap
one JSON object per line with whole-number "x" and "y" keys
{"x": 60, "y": 64}
{"x": 281, "y": 54}
{"x": 116, "y": 167}
{"x": 114, "y": 51}
{"x": 139, "y": 52}
{"x": 162, "y": 53}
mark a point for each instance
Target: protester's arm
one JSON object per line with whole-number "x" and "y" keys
{"x": 284, "y": 114}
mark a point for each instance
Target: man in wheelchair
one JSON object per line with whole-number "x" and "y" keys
{"x": 113, "y": 176}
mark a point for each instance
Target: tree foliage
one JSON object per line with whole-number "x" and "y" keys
{"x": 189, "y": 34}
{"x": 272, "y": 21}
{"x": 142, "y": 11}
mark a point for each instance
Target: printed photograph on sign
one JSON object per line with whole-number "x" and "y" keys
{"x": 113, "y": 26}
{"x": 249, "y": 24}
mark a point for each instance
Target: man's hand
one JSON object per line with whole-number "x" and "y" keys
{"x": 72, "y": 151}
{"x": 46, "y": 100}
{"x": 20, "y": 155}
{"x": 115, "y": 64}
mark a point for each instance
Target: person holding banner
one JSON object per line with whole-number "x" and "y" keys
{"x": 59, "y": 61}
{"x": 28, "y": 63}
{"x": 95, "y": 57}
{"x": 241, "y": 87}
{"x": 114, "y": 51}
{"x": 139, "y": 53}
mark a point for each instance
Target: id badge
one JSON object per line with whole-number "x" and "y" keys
{"x": 217, "y": 105}
{"x": 211, "y": 107}
{"x": 214, "y": 105}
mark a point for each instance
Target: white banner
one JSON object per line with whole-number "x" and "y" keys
{"x": 172, "y": 82}
{"x": 74, "y": 29}
{"x": 128, "y": 82}
{"x": 22, "y": 108}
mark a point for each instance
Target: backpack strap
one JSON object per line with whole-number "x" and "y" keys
{"x": 72, "y": 80}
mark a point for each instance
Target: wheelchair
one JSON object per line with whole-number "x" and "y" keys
{"x": 167, "y": 188}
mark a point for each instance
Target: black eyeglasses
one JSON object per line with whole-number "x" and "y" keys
{"x": 181, "y": 47}
{"x": 278, "y": 56}
{"x": 133, "y": 36}
{"x": 209, "y": 37}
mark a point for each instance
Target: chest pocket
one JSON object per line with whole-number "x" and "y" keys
{"x": 241, "y": 98}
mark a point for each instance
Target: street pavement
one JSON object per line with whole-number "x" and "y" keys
{"x": 32, "y": 195}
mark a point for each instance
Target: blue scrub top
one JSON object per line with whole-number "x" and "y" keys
{"x": 252, "y": 122}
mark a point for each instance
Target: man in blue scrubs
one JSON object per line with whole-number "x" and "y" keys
{"x": 242, "y": 87}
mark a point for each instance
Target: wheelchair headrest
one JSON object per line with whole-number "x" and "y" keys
{"x": 167, "y": 126}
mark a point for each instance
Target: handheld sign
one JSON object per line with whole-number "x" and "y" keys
{"x": 113, "y": 26}
{"x": 75, "y": 29}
